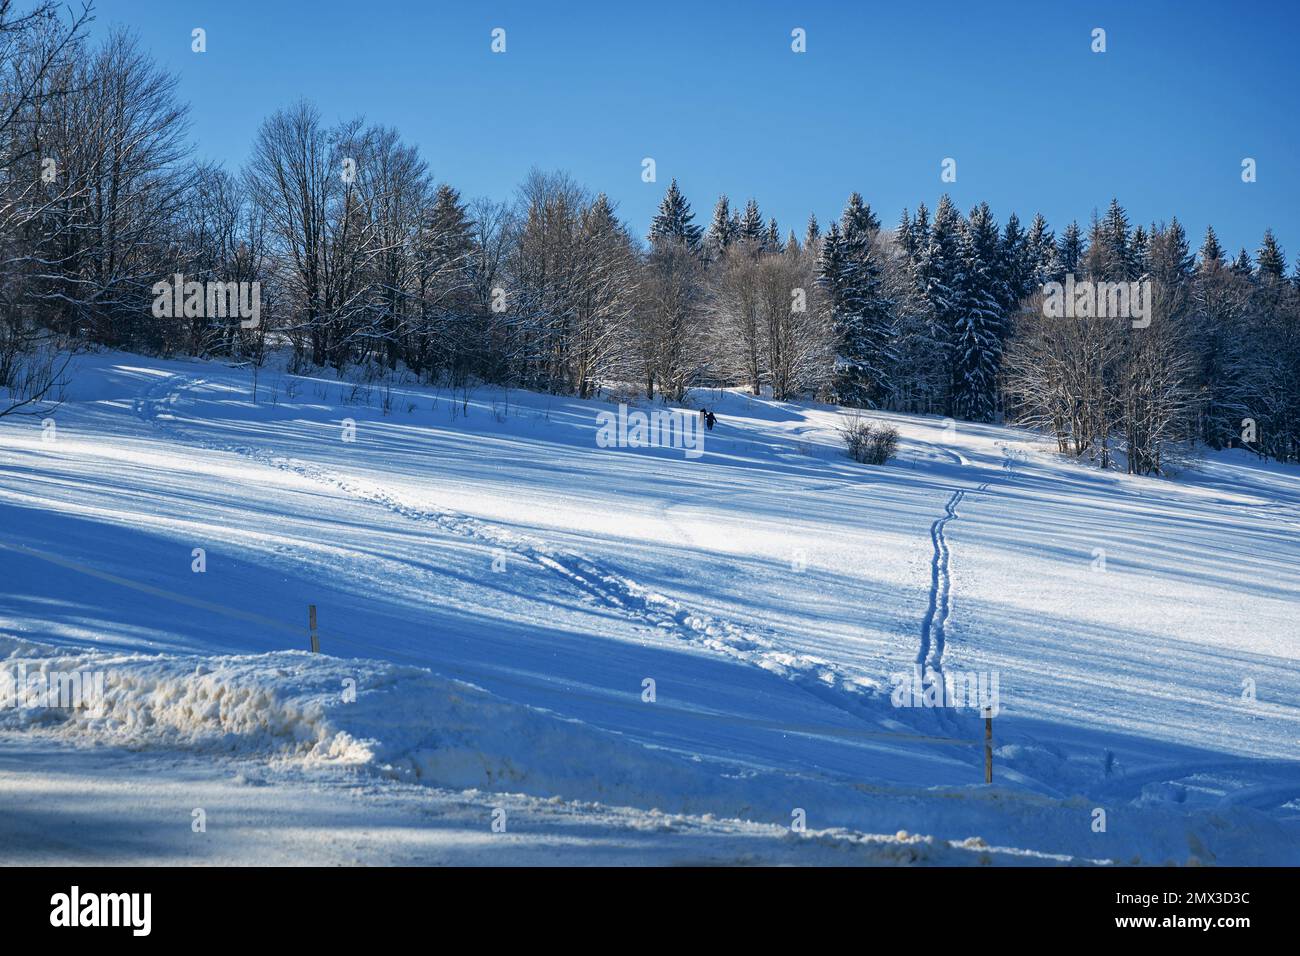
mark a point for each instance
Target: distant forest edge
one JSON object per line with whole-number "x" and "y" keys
{"x": 358, "y": 257}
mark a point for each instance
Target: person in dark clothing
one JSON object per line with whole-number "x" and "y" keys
{"x": 704, "y": 415}
{"x": 710, "y": 419}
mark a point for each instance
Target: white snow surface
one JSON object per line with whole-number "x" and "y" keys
{"x": 494, "y": 590}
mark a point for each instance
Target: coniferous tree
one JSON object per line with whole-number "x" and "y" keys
{"x": 1270, "y": 260}
{"x": 674, "y": 220}
{"x": 858, "y": 219}
{"x": 1176, "y": 254}
{"x": 1112, "y": 244}
{"x": 1138, "y": 249}
{"x": 861, "y": 308}
{"x": 1040, "y": 251}
{"x": 836, "y": 274}
{"x": 751, "y": 225}
{"x": 1273, "y": 396}
{"x": 921, "y": 227}
{"x": 1211, "y": 251}
{"x": 977, "y": 339}
{"x": 940, "y": 282}
{"x": 1242, "y": 265}
{"x": 813, "y": 233}
{"x": 903, "y": 236}
{"x": 722, "y": 230}
{"x": 443, "y": 283}
{"x": 1069, "y": 251}
{"x": 1220, "y": 354}
{"x": 772, "y": 239}
{"x": 1017, "y": 268}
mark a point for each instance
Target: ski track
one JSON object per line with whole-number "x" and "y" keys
{"x": 824, "y": 679}
{"x": 934, "y": 638}
{"x": 930, "y": 654}
{"x": 933, "y": 626}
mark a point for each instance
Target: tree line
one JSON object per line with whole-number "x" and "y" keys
{"x": 364, "y": 259}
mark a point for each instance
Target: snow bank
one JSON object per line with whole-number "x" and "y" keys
{"x": 398, "y": 721}
{"x": 271, "y": 704}
{"x": 295, "y": 709}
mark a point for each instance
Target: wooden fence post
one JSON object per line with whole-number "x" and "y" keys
{"x": 988, "y": 746}
{"x": 311, "y": 623}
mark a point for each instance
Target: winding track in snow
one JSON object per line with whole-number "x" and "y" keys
{"x": 930, "y": 654}
{"x": 934, "y": 625}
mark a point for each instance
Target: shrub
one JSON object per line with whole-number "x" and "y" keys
{"x": 884, "y": 444}
{"x": 867, "y": 443}
{"x": 856, "y": 432}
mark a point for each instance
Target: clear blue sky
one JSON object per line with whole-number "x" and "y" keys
{"x": 712, "y": 91}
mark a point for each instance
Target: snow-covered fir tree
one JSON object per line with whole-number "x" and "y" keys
{"x": 1269, "y": 260}
{"x": 722, "y": 230}
{"x": 940, "y": 283}
{"x": 1069, "y": 251}
{"x": 752, "y": 230}
{"x": 772, "y": 239}
{"x": 1016, "y": 268}
{"x": 861, "y": 309}
{"x": 1242, "y": 265}
{"x": 904, "y": 237}
{"x": 1139, "y": 248}
{"x": 1112, "y": 244}
{"x": 977, "y": 336}
{"x": 1040, "y": 251}
{"x": 921, "y": 227}
{"x": 674, "y": 220}
{"x": 1211, "y": 253}
{"x": 813, "y": 233}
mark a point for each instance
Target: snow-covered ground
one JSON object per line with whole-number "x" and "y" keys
{"x": 495, "y": 591}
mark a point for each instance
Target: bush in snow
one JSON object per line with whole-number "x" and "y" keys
{"x": 867, "y": 443}
{"x": 884, "y": 444}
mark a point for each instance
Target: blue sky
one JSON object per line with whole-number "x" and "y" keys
{"x": 712, "y": 91}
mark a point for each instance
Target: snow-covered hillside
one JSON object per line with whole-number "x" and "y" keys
{"x": 496, "y": 593}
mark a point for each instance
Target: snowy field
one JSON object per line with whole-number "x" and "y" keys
{"x": 495, "y": 590}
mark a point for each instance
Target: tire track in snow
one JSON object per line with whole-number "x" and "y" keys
{"x": 620, "y": 594}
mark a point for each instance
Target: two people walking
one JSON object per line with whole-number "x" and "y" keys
{"x": 707, "y": 418}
